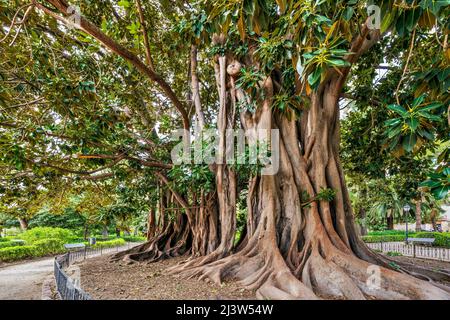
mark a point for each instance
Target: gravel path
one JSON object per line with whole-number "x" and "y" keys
{"x": 24, "y": 281}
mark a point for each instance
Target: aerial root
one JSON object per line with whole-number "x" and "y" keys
{"x": 388, "y": 284}
{"x": 327, "y": 279}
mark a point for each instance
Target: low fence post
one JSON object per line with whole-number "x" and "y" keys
{"x": 414, "y": 250}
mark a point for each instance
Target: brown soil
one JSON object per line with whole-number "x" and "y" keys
{"x": 435, "y": 265}
{"x": 428, "y": 263}
{"x": 105, "y": 280}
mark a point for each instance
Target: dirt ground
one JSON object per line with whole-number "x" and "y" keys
{"x": 427, "y": 263}
{"x": 140, "y": 281}
{"x": 435, "y": 265}
{"x": 105, "y": 280}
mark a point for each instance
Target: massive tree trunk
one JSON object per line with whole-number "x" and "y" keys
{"x": 182, "y": 229}
{"x": 307, "y": 250}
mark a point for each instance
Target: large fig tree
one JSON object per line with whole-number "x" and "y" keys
{"x": 283, "y": 65}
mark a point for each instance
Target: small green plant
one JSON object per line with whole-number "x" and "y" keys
{"x": 394, "y": 254}
{"x": 249, "y": 81}
{"x": 323, "y": 195}
{"x": 394, "y": 265}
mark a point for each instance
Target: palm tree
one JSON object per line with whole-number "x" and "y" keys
{"x": 388, "y": 205}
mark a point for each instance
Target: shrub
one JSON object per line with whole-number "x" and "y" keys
{"x": 48, "y": 246}
{"x": 40, "y": 233}
{"x": 394, "y": 254}
{"x": 386, "y": 232}
{"x": 384, "y": 238}
{"x": 110, "y": 243}
{"x": 11, "y": 243}
{"x": 16, "y": 253}
{"x": 441, "y": 239}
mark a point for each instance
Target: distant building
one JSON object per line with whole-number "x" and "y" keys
{"x": 443, "y": 223}
{"x": 444, "y": 220}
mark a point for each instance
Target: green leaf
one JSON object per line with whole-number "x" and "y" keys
{"x": 338, "y": 63}
{"x": 409, "y": 142}
{"x": 392, "y": 122}
{"x": 124, "y": 3}
{"x": 417, "y": 101}
{"x": 432, "y": 106}
{"x": 430, "y": 116}
{"x": 398, "y": 109}
{"x": 348, "y": 13}
{"x": 426, "y": 134}
{"x": 430, "y": 184}
{"x": 441, "y": 192}
{"x": 394, "y": 131}
{"x": 314, "y": 77}
{"x": 413, "y": 123}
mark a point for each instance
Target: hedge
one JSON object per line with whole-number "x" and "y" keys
{"x": 442, "y": 239}
{"x": 385, "y": 238}
{"x": 38, "y": 249}
{"x": 40, "y": 233}
{"x": 48, "y": 246}
{"x": 16, "y": 253}
{"x": 109, "y": 243}
{"x": 7, "y": 244}
{"x": 387, "y": 232}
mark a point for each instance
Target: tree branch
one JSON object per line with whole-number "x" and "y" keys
{"x": 144, "y": 32}
{"x": 196, "y": 88}
{"x": 91, "y": 29}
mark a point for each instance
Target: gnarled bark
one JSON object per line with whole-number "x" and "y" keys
{"x": 309, "y": 251}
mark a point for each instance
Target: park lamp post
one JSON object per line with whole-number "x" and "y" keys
{"x": 406, "y": 209}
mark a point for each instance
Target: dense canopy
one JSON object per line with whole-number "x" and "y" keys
{"x": 356, "y": 90}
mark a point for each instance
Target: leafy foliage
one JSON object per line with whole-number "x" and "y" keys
{"x": 413, "y": 124}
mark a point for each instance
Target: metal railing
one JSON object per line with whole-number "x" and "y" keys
{"x": 412, "y": 250}
{"x": 66, "y": 286}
